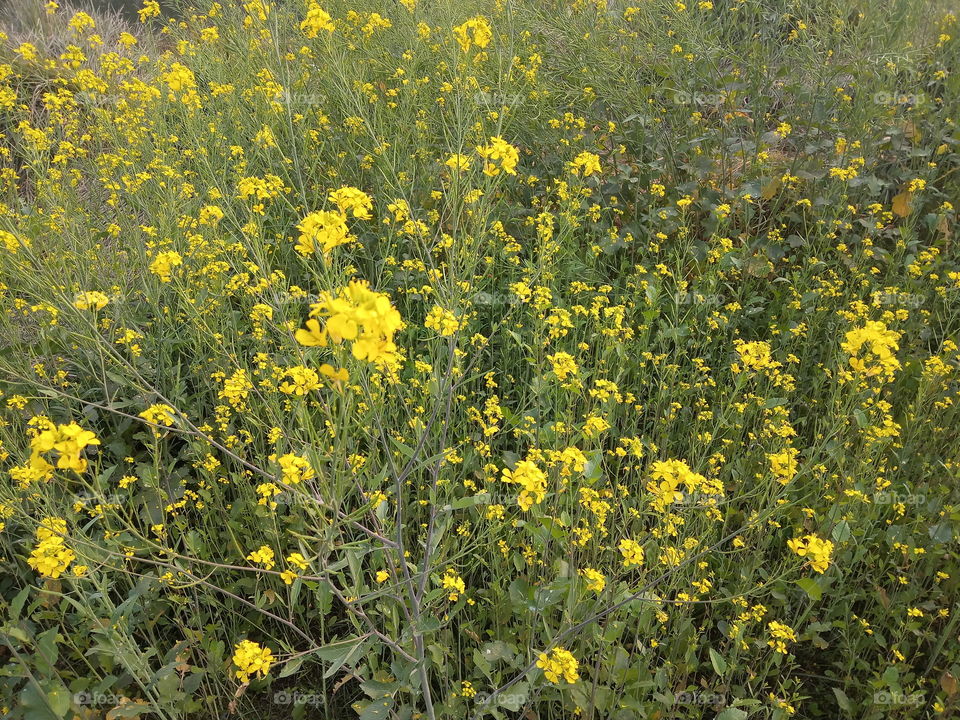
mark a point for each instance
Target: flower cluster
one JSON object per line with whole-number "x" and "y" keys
{"x": 474, "y": 32}
{"x": 67, "y": 441}
{"x": 815, "y": 549}
{"x": 51, "y": 557}
{"x": 872, "y": 350}
{"x": 499, "y": 155}
{"x": 91, "y": 300}
{"x": 263, "y": 555}
{"x": 632, "y": 552}
{"x": 251, "y": 660}
{"x": 360, "y": 315}
{"x": 531, "y": 479}
{"x": 559, "y": 663}
{"x": 454, "y": 583}
{"x": 780, "y": 635}
{"x": 295, "y": 468}
{"x": 352, "y": 201}
{"x": 164, "y": 263}
{"x": 317, "y": 20}
{"x": 667, "y": 476}
{"x": 443, "y": 321}
{"x": 326, "y": 229}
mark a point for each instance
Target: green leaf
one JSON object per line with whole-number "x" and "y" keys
{"x": 59, "y": 700}
{"x": 16, "y": 605}
{"x": 35, "y": 703}
{"x": 339, "y": 654}
{"x": 291, "y": 667}
{"x": 513, "y": 698}
{"x": 841, "y": 531}
{"x": 377, "y": 709}
{"x": 379, "y": 689}
{"x": 732, "y": 713}
{"x": 811, "y": 587}
{"x": 130, "y": 710}
{"x": 719, "y": 664}
{"x": 842, "y": 700}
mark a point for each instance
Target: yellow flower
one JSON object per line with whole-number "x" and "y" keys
{"x": 267, "y": 491}
{"x": 872, "y": 350}
{"x": 90, "y": 300}
{"x": 350, "y": 200}
{"x": 443, "y": 321}
{"x": 475, "y": 31}
{"x": 559, "y": 663}
{"x": 179, "y": 78}
{"x": 783, "y": 464}
{"x": 594, "y": 579}
{"x": 210, "y": 215}
{"x": 531, "y": 479}
{"x": 51, "y": 557}
{"x": 236, "y": 389}
{"x": 263, "y": 556}
{"x": 632, "y": 553}
{"x": 297, "y": 560}
{"x": 499, "y": 155}
{"x": 755, "y": 355}
{"x": 11, "y": 242}
{"x": 301, "y": 380}
{"x": 360, "y": 315}
{"x": 781, "y": 635}
{"x": 151, "y": 8}
{"x": 595, "y": 425}
{"x": 316, "y": 21}
{"x": 458, "y": 162}
{"x": 251, "y": 659}
{"x": 81, "y": 22}
{"x": 295, "y": 469}
{"x": 67, "y": 440}
{"x": 454, "y": 583}
{"x": 159, "y": 414}
{"x": 326, "y": 228}
{"x": 815, "y": 549}
{"x": 586, "y": 164}
{"x": 666, "y": 478}
{"x": 563, "y": 365}
{"x": 164, "y": 263}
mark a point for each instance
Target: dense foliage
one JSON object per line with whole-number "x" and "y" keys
{"x": 511, "y": 359}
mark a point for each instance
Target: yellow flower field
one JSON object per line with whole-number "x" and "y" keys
{"x": 496, "y": 359}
